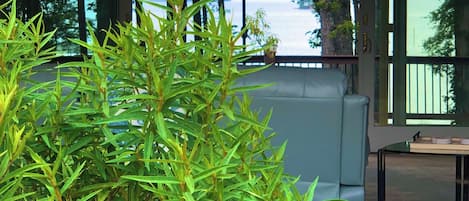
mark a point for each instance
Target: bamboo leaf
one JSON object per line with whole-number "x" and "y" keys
{"x": 124, "y": 158}
{"x": 110, "y": 137}
{"x": 89, "y": 196}
{"x": 13, "y": 189}
{"x": 190, "y": 183}
{"x": 200, "y": 107}
{"x": 214, "y": 93}
{"x": 310, "y": 193}
{"x": 46, "y": 139}
{"x": 37, "y": 86}
{"x": 72, "y": 178}
{"x": 81, "y": 111}
{"x": 278, "y": 156}
{"x": 21, "y": 171}
{"x": 212, "y": 171}
{"x": 6, "y": 187}
{"x": 82, "y": 142}
{"x": 230, "y": 154}
{"x": 20, "y": 196}
{"x": 58, "y": 163}
{"x": 148, "y": 149}
{"x": 135, "y": 97}
{"x": 250, "y": 121}
{"x": 228, "y": 112}
{"x": 152, "y": 179}
{"x": 188, "y": 196}
{"x": 4, "y": 5}
{"x": 76, "y": 64}
{"x": 184, "y": 89}
{"x": 105, "y": 108}
{"x": 160, "y": 123}
{"x": 47, "y": 38}
{"x": 156, "y": 191}
{"x": 96, "y": 187}
{"x": 193, "y": 8}
{"x": 123, "y": 117}
{"x": 249, "y": 88}
{"x": 38, "y": 159}
{"x": 4, "y": 164}
{"x": 12, "y": 21}
{"x": 273, "y": 180}
{"x": 35, "y": 176}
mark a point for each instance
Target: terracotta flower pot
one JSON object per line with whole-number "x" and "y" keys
{"x": 269, "y": 55}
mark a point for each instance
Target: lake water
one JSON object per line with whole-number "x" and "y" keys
{"x": 287, "y": 21}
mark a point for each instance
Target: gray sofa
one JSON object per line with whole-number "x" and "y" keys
{"x": 325, "y": 128}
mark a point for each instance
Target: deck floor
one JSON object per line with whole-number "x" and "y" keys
{"x": 413, "y": 178}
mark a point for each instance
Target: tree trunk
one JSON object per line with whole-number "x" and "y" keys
{"x": 461, "y": 73}
{"x": 221, "y": 7}
{"x": 335, "y": 40}
{"x": 105, "y": 16}
{"x": 82, "y": 25}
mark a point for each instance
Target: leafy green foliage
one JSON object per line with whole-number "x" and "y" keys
{"x": 314, "y": 38}
{"x": 259, "y": 30}
{"x": 442, "y": 42}
{"x": 329, "y": 5}
{"x": 150, "y": 117}
{"x": 57, "y": 15}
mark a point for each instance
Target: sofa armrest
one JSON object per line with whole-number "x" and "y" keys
{"x": 355, "y": 145}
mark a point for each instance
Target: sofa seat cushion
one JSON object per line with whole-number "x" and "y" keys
{"x": 312, "y": 128}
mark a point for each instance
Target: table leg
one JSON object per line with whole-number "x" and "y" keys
{"x": 381, "y": 176}
{"x": 458, "y": 178}
{"x": 465, "y": 172}
{"x": 462, "y": 178}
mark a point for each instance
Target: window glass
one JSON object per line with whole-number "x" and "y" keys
{"x": 420, "y": 27}
{"x": 435, "y": 81}
{"x": 91, "y": 15}
{"x": 61, "y": 16}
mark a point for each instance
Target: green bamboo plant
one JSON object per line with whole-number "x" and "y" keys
{"x": 22, "y": 102}
{"x": 149, "y": 116}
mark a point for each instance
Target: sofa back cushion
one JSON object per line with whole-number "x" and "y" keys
{"x": 297, "y": 83}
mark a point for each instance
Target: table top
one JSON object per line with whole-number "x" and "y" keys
{"x": 404, "y": 147}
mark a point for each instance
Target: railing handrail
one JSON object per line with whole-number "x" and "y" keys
{"x": 437, "y": 60}
{"x": 343, "y": 59}
{"x": 309, "y": 59}
{"x": 432, "y": 59}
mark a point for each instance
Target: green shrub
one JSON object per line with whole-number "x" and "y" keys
{"x": 148, "y": 116}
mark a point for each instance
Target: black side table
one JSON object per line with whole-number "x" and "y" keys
{"x": 462, "y": 168}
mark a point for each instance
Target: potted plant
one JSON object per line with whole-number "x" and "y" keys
{"x": 259, "y": 31}
{"x": 148, "y": 116}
